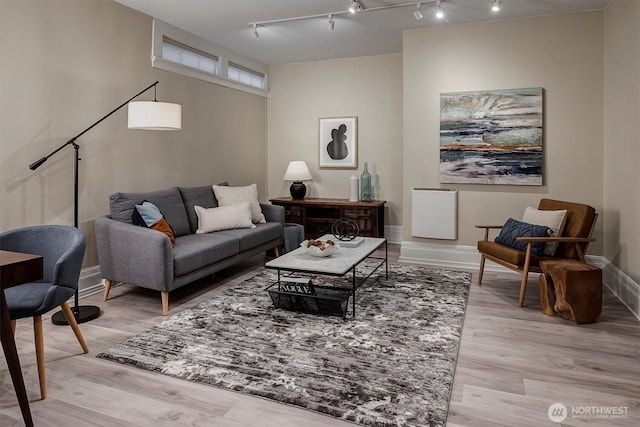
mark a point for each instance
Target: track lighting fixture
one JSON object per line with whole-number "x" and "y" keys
{"x": 439, "y": 11}
{"x": 416, "y": 13}
{"x": 355, "y": 7}
{"x": 496, "y": 5}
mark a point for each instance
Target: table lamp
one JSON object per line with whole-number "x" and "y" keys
{"x": 297, "y": 172}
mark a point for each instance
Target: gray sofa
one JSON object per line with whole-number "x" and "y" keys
{"x": 144, "y": 257}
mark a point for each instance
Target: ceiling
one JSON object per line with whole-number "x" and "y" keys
{"x": 226, "y": 23}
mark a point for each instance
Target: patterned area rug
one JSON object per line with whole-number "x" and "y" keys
{"x": 391, "y": 365}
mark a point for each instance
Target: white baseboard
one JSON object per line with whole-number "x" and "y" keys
{"x": 467, "y": 258}
{"x": 620, "y": 285}
{"x": 443, "y": 255}
{"x": 91, "y": 281}
{"x": 393, "y": 233}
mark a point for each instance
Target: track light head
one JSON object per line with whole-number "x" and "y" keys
{"x": 439, "y": 11}
{"x": 354, "y": 6}
{"x": 417, "y": 13}
{"x": 331, "y": 23}
{"x": 496, "y": 5}
{"x": 255, "y": 31}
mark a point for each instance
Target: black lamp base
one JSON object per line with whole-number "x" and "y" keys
{"x": 297, "y": 190}
{"x": 82, "y": 313}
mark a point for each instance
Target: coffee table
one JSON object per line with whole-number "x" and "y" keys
{"x": 339, "y": 264}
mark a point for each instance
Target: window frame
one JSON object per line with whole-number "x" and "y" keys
{"x": 183, "y": 47}
{"x": 246, "y": 70}
{"x": 163, "y": 30}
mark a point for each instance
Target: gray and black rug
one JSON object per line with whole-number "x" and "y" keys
{"x": 392, "y": 365}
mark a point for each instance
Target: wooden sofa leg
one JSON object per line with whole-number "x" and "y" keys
{"x": 165, "y": 302}
{"x": 107, "y": 288}
{"x": 482, "y": 259}
{"x": 13, "y": 327}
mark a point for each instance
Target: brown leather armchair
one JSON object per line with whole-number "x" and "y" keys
{"x": 574, "y": 241}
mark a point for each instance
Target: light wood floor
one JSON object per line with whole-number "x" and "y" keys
{"x": 513, "y": 363}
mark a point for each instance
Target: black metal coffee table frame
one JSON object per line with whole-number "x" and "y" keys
{"x": 355, "y": 281}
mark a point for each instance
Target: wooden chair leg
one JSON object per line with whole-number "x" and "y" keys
{"x": 107, "y": 288}
{"x": 39, "y": 338}
{"x": 482, "y": 259}
{"x": 523, "y": 287}
{"x": 165, "y": 302}
{"x": 525, "y": 275}
{"x": 13, "y": 327}
{"x": 71, "y": 320}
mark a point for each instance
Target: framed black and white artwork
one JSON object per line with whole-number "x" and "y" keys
{"x": 338, "y": 142}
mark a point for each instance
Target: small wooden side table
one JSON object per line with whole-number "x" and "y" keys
{"x": 16, "y": 268}
{"x": 572, "y": 289}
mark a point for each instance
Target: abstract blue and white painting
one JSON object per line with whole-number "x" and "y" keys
{"x": 491, "y": 137}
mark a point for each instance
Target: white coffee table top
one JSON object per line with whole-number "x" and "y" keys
{"x": 337, "y": 264}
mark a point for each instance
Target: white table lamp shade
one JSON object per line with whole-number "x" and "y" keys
{"x": 297, "y": 171}
{"x": 154, "y": 115}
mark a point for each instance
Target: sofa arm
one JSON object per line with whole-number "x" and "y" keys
{"x": 273, "y": 213}
{"x": 135, "y": 255}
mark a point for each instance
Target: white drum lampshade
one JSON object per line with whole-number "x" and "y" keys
{"x": 154, "y": 115}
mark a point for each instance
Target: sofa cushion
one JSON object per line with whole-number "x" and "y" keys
{"x": 233, "y": 195}
{"x": 250, "y": 238}
{"x": 224, "y": 218}
{"x": 195, "y": 251}
{"x": 169, "y": 202}
{"x": 513, "y": 229}
{"x": 201, "y": 196}
{"x": 149, "y": 216}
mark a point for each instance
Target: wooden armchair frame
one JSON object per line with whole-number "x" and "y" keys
{"x": 580, "y": 245}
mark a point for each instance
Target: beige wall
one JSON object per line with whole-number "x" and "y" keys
{"x": 65, "y": 64}
{"x": 368, "y": 87}
{"x": 562, "y": 54}
{"x": 622, "y": 136}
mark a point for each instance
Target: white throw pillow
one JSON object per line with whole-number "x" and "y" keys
{"x": 233, "y": 195}
{"x": 224, "y": 218}
{"x": 555, "y": 220}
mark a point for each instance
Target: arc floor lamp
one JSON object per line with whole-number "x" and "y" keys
{"x": 144, "y": 115}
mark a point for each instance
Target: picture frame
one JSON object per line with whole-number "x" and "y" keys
{"x": 492, "y": 137}
{"x": 338, "y": 142}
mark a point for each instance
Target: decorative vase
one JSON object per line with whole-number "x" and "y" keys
{"x": 353, "y": 188}
{"x": 365, "y": 185}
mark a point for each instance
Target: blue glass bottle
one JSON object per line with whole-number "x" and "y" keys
{"x": 365, "y": 185}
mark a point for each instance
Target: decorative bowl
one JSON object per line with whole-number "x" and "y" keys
{"x": 317, "y": 251}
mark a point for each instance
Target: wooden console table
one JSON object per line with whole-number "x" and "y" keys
{"x": 16, "y": 268}
{"x": 318, "y": 215}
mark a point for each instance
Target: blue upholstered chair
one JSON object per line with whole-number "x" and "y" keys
{"x": 62, "y": 248}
